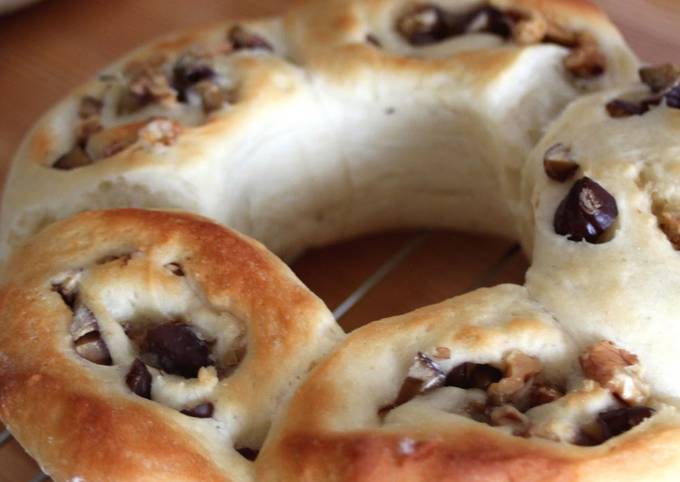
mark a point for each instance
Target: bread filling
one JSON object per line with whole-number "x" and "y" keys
{"x": 153, "y": 97}
{"x": 516, "y": 396}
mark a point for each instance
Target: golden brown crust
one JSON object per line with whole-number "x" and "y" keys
{"x": 79, "y": 419}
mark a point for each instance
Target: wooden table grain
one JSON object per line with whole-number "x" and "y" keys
{"x": 48, "y": 49}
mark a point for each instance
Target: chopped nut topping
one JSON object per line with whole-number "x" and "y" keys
{"x": 619, "y": 108}
{"x": 542, "y": 394}
{"x": 443, "y": 353}
{"x": 559, "y": 35}
{"x": 669, "y": 222}
{"x": 661, "y": 77}
{"x": 615, "y": 369}
{"x": 587, "y": 212}
{"x": 530, "y": 29}
{"x": 147, "y": 83}
{"x": 213, "y": 97}
{"x": 240, "y": 38}
{"x": 160, "y": 131}
{"x": 558, "y": 163}
{"x": 663, "y": 81}
{"x": 585, "y": 60}
{"x": 520, "y": 368}
{"x": 425, "y": 374}
{"x": 509, "y": 416}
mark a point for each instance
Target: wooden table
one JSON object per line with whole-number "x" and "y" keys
{"x": 50, "y": 48}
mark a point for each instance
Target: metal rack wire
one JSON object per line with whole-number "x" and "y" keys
{"x": 410, "y": 245}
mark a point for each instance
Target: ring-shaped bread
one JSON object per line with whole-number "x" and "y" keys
{"x": 149, "y": 346}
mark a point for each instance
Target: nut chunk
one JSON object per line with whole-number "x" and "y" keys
{"x": 425, "y": 374}
{"x": 520, "y": 370}
{"x": 615, "y": 369}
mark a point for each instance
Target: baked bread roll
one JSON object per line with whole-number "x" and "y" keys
{"x": 151, "y": 346}
{"x": 317, "y": 125}
{"x": 487, "y": 386}
{"x": 621, "y": 285}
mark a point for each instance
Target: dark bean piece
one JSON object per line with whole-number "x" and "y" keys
{"x": 558, "y": 164}
{"x": 620, "y": 420}
{"x": 68, "y": 290}
{"x": 204, "y": 410}
{"x": 130, "y": 102}
{"x": 138, "y": 379}
{"x": 240, "y": 38}
{"x": 91, "y": 347}
{"x": 178, "y": 350}
{"x": 473, "y": 375}
{"x": 175, "y": 268}
{"x": 488, "y": 20}
{"x": 73, "y": 159}
{"x": 250, "y": 454}
{"x": 373, "y": 40}
{"x": 618, "y": 108}
{"x": 187, "y": 73}
{"x": 586, "y": 213}
{"x": 423, "y": 25}
{"x": 661, "y": 77}
{"x": 673, "y": 97}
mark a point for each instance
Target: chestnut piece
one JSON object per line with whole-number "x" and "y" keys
{"x": 138, "y": 379}
{"x": 586, "y": 213}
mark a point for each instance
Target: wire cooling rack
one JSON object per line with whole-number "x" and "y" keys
{"x": 378, "y": 276}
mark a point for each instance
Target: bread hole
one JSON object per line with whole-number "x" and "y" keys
{"x": 516, "y": 395}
